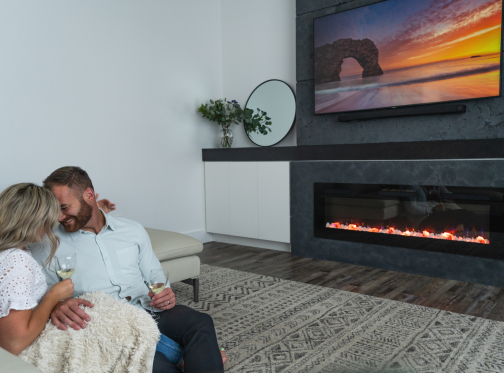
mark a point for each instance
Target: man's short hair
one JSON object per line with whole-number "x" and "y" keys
{"x": 71, "y": 176}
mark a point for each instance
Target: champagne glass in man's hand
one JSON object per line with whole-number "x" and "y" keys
{"x": 157, "y": 283}
{"x": 66, "y": 265}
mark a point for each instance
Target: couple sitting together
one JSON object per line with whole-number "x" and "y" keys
{"x": 114, "y": 256}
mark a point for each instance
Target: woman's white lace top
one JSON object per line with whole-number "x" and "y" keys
{"x": 22, "y": 283}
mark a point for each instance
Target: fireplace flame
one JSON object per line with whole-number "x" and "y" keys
{"x": 390, "y": 230}
{"x": 447, "y": 236}
{"x": 480, "y": 239}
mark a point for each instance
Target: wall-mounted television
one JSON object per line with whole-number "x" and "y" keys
{"x": 407, "y": 52}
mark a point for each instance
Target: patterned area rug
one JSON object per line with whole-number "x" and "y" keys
{"x": 267, "y": 324}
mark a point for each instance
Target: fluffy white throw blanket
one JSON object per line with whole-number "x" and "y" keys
{"x": 119, "y": 338}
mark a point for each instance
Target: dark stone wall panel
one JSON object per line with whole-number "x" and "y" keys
{"x": 308, "y": 6}
{"x": 329, "y": 6}
{"x": 305, "y": 111}
{"x": 304, "y": 47}
{"x": 455, "y": 173}
{"x": 484, "y": 118}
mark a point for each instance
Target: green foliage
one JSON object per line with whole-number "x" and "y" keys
{"x": 226, "y": 112}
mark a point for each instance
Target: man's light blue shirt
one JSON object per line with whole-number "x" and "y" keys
{"x": 117, "y": 260}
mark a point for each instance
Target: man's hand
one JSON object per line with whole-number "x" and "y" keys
{"x": 105, "y": 205}
{"x": 68, "y": 313}
{"x": 164, "y": 300}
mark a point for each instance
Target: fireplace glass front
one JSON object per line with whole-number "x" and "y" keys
{"x": 459, "y": 220}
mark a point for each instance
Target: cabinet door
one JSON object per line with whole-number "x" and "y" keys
{"x": 243, "y": 212}
{"x": 274, "y": 201}
{"x": 217, "y": 197}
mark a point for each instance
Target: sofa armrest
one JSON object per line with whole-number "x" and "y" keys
{"x": 11, "y": 363}
{"x": 169, "y": 245}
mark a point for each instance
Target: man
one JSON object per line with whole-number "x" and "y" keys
{"x": 114, "y": 255}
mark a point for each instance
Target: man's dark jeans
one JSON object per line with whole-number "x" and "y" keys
{"x": 195, "y": 332}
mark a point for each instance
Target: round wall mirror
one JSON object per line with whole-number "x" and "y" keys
{"x": 276, "y": 98}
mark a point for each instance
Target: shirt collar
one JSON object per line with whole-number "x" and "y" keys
{"x": 109, "y": 224}
{"x": 109, "y": 221}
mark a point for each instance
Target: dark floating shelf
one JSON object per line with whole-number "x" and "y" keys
{"x": 449, "y": 149}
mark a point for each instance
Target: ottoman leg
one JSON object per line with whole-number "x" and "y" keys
{"x": 196, "y": 289}
{"x": 195, "y": 284}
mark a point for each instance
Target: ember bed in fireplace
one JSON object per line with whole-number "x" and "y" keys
{"x": 457, "y": 220}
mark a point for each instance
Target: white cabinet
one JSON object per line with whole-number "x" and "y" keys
{"x": 274, "y": 201}
{"x": 217, "y": 197}
{"x": 248, "y": 199}
{"x": 243, "y": 209}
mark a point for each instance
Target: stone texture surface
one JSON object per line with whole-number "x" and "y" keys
{"x": 487, "y": 173}
{"x": 484, "y": 118}
{"x": 309, "y": 6}
{"x": 304, "y": 47}
{"x": 329, "y": 58}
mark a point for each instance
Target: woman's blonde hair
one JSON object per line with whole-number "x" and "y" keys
{"x": 28, "y": 213}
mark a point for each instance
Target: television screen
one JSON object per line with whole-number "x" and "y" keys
{"x": 407, "y": 52}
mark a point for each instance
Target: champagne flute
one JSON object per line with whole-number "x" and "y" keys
{"x": 66, "y": 265}
{"x": 157, "y": 283}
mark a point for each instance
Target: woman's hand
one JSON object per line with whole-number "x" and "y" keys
{"x": 62, "y": 290}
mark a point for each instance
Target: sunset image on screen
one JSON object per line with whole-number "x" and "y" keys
{"x": 407, "y": 52}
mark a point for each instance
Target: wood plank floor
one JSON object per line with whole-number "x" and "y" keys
{"x": 456, "y": 296}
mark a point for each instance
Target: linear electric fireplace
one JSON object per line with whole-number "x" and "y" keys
{"x": 449, "y": 219}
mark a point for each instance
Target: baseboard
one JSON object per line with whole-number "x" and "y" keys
{"x": 263, "y": 244}
{"x": 201, "y": 235}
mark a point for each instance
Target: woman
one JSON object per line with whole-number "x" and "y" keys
{"x": 28, "y": 213}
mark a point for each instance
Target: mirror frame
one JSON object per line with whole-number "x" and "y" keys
{"x": 295, "y": 112}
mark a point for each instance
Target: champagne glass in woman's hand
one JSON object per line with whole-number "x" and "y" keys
{"x": 66, "y": 265}
{"x": 157, "y": 283}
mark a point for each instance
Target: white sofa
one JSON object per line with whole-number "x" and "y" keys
{"x": 177, "y": 254}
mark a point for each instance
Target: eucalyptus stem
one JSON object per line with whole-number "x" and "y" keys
{"x": 226, "y": 112}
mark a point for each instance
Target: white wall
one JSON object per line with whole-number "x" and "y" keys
{"x": 113, "y": 86}
{"x": 258, "y": 44}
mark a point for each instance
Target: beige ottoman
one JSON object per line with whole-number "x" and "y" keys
{"x": 177, "y": 254}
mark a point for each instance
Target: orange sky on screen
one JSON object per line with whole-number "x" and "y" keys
{"x": 486, "y": 43}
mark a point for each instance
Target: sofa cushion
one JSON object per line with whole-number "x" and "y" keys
{"x": 169, "y": 245}
{"x": 182, "y": 268}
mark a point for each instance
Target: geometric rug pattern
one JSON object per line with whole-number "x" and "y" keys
{"x": 271, "y": 325}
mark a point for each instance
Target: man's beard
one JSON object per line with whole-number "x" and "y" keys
{"x": 82, "y": 218}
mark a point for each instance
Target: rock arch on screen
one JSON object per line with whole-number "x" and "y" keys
{"x": 329, "y": 58}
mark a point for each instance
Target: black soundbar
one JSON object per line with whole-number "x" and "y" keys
{"x": 403, "y": 112}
